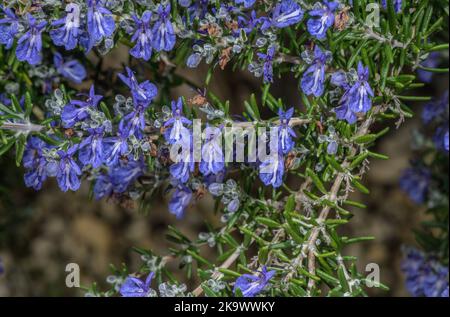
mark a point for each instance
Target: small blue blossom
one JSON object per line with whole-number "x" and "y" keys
{"x": 143, "y": 93}
{"x": 286, "y": 133}
{"x": 415, "y": 182}
{"x": 247, "y": 3}
{"x": 100, "y": 22}
{"x": 322, "y": 18}
{"x": 249, "y": 23}
{"x": 181, "y": 198}
{"x": 397, "y": 5}
{"x": 115, "y": 148}
{"x": 91, "y": 148}
{"x": 196, "y": 9}
{"x": 360, "y": 94}
{"x": 143, "y": 37}
{"x": 213, "y": 159}
{"x": 120, "y": 177}
{"x": 103, "y": 186}
{"x": 271, "y": 171}
{"x": 68, "y": 170}
{"x": 286, "y": 13}
{"x": 163, "y": 33}
{"x": 134, "y": 287}
{"x": 37, "y": 166}
{"x": 176, "y": 131}
{"x": 29, "y": 47}
{"x": 181, "y": 171}
{"x": 357, "y": 99}
{"x": 252, "y": 285}
{"x": 125, "y": 174}
{"x": 313, "y": 80}
{"x": 71, "y": 70}
{"x": 267, "y": 60}
{"x": 9, "y": 27}
{"x": 68, "y": 33}
{"x": 77, "y": 111}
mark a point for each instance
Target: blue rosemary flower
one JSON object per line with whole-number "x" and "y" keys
{"x": 163, "y": 33}
{"x": 182, "y": 169}
{"x": 68, "y": 170}
{"x": 252, "y": 285}
{"x": 267, "y": 60}
{"x": 143, "y": 93}
{"x": 213, "y": 160}
{"x": 36, "y": 164}
{"x": 29, "y": 47}
{"x": 286, "y": 133}
{"x": 196, "y": 9}
{"x": 91, "y": 148}
{"x": 9, "y": 27}
{"x": 125, "y": 174}
{"x": 175, "y": 130}
{"x": 134, "y": 287}
{"x": 322, "y": 18}
{"x": 77, "y": 110}
{"x": 247, "y": 3}
{"x": 313, "y": 80}
{"x": 103, "y": 186}
{"x": 115, "y": 148}
{"x": 69, "y": 28}
{"x": 100, "y": 22}
{"x": 271, "y": 170}
{"x": 143, "y": 37}
{"x": 248, "y": 22}
{"x": 286, "y": 13}
{"x": 119, "y": 178}
{"x": 357, "y": 98}
{"x": 71, "y": 70}
{"x": 415, "y": 182}
{"x": 181, "y": 198}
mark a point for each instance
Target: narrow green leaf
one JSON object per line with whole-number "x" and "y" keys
{"x": 316, "y": 180}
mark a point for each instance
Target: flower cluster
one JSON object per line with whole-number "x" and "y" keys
{"x": 100, "y": 146}
{"x": 427, "y": 186}
{"x": 86, "y": 24}
{"x": 133, "y": 138}
{"x": 425, "y": 276}
{"x": 357, "y": 97}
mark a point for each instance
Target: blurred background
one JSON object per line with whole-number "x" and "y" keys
{"x": 41, "y": 232}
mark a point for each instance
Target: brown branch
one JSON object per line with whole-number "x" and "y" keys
{"x": 228, "y": 262}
